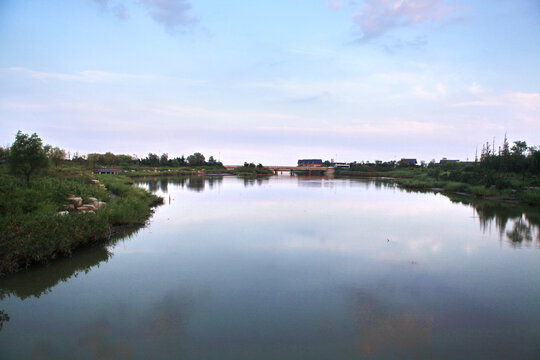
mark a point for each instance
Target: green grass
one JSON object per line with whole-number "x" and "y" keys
{"x": 33, "y": 232}
{"x": 474, "y": 181}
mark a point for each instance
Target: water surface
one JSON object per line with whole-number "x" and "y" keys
{"x": 290, "y": 268}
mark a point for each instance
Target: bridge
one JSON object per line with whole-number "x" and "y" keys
{"x": 292, "y": 169}
{"x": 107, "y": 171}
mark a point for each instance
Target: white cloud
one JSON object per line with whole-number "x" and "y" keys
{"x": 334, "y": 4}
{"x": 437, "y": 93}
{"x": 530, "y": 101}
{"x": 377, "y": 17}
{"x": 119, "y": 10}
{"x": 476, "y": 89}
{"x": 173, "y": 14}
{"x": 89, "y": 76}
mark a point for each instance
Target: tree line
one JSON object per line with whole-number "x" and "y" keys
{"x": 154, "y": 160}
{"x": 27, "y": 156}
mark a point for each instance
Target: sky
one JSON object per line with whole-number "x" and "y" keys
{"x": 271, "y": 81}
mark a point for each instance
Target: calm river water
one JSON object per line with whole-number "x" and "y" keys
{"x": 289, "y": 268}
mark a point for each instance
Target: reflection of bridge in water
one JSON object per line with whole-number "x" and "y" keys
{"x": 292, "y": 169}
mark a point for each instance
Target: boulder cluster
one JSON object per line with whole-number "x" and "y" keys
{"x": 77, "y": 205}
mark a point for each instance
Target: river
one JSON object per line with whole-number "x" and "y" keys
{"x": 289, "y": 268}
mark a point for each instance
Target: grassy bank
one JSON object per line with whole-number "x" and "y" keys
{"x": 465, "y": 181}
{"x": 33, "y": 231}
{"x": 174, "y": 172}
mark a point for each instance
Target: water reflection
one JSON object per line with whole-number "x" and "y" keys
{"x": 41, "y": 279}
{"x": 302, "y": 268}
{"x": 192, "y": 183}
{"x": 4, "y": 317}
{"x": 255, "y": 181}
{"x": 517, "y": 225}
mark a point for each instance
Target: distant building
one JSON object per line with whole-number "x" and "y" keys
{"x": 446, "y": 161}
{"x": 310, "y": 162}
{"x": 410, "y": 162}
{"x": 342, "y": 165}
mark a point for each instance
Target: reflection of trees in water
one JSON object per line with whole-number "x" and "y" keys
{"x": 381, "y": 332}
{"x": 40, "y": 279}
{"x": 196, "y": 183}
{"x": 248, "y": 182}
{"x": 521, "y": 231}
{"x": 164, "y": 185}
{"x": 520, "y": 225}
{"x": 4, "y": 317}
{"x": 214, "y": 181}
{"x": 155, "y": 185}
{"x": 152, "y": 185}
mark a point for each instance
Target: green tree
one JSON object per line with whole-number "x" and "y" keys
{"x": 56, "y": 155}
{"x": 92, "y": 160}
{"x": 164, "y": 160}
{"x": 196, "y": 159}
{"x": 109, "y": 158}
{"x": 152, "y": 159}
{"x": 27, "y": 156}
{"x": 4, "y": 153}
{"x": 519, "y": 148}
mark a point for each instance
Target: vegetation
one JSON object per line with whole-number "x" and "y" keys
{"x": 33, "y": 230}
{"x": 249, "y": 169}
{"x": 511, "y": 174}
{"x": 27, "y": 156}
{"x": 128, "y": 162}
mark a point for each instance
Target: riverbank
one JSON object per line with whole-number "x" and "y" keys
{"x": 45, "y": 220}
{"x": 508, "y": 188}
{"x": 242, "y": 171}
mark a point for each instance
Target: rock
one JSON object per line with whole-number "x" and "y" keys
{"x": 77, "y": 201}
{"x": 69, "y": 207}
{"x": 95, "y": 181}
{"x": 86, "y": 207}
{"x": 62, "y": 213}
{"x": 89, "y": 207}
{"x": 99, "y": 204}
{"x": 92, "y": 199}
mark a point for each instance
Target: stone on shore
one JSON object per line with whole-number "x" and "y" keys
{"x": 99, "y": 204}
{"x": 77, "y": 201}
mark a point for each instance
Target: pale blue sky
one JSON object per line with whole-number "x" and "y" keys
{"x": 271, "y": 81}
